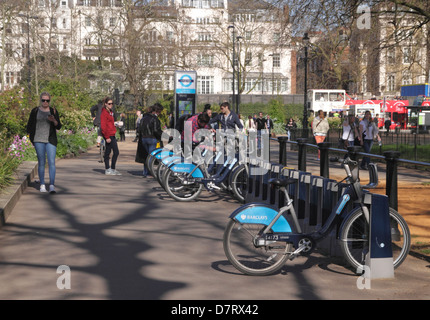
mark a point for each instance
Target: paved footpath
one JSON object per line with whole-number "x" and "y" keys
{"x": 123, "y": 238}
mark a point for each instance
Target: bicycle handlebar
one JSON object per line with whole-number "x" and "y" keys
{"x": 347, "y": 164}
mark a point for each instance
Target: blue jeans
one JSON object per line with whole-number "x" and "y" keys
{"x": 43, "y": 149}
{"x": 149, "y": 144}
{"x": 367, "y": 146}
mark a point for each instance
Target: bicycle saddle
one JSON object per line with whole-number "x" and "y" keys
{"x": 281, "y": 182}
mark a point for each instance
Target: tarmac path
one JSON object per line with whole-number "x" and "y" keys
{"x": 123, "y": 238}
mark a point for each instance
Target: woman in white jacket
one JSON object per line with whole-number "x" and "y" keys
{"x": 320, "y": 128}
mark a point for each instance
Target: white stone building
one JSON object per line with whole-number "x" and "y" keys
{"x": 174, "y": 35}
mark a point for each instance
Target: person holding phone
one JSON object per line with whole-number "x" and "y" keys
{"x": 42, "y": 126}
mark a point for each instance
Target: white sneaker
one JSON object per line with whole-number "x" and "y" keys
{"x": 116, "y": 172}
{"x": 52, "y": 189}
{"x": 109, "y": 172}
{"x": 43, "y": 188}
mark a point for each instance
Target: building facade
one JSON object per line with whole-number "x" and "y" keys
{"x": 150, "y": 42}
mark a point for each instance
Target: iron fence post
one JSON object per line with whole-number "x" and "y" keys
{"x": 391, "y": 158}
{"x": 301, "y": 142}
{"x": 324, "y": 169}
{"x": 283, "y": 150}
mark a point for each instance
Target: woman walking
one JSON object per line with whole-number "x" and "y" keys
{"x": 42, "y": 127}
{"x": 107, "y": 125}
{"x": 320, "y": 128}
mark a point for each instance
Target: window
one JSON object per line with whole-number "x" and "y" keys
{"x": 41, "y": 3}
{"x": 391, "y": 84}
{"x": 406, "y": 55}
{"x": 204, "y": 36}
{"x": 364, "y": 84}
{"x": 205, "y": 60}
{"x": 205, "y": 84}
{"x": 248, "y": 35}
{"x": 9, "y": 51}
{"x": 112, "y": 22}
{"x": 64, "y": 23}
{"x": 276, "y": 37}
{"x": 248, "y": 58}
{"x": 24, "y": 50}
{"x": 217, "y": 3}
{"x": 24, "y": 28}
{"x": 88, "y": 21}
{"x": 53, "y": 22}
{"x": 391, "y": 56}
{"x": 63, "y": 3}
{"x": 276, "y": 60}
{"x": 169, "y": 36}
{"x": 406, "y": 77}
{"x": 87, "y": 41}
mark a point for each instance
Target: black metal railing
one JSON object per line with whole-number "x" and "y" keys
{"x": 391, "y": 159}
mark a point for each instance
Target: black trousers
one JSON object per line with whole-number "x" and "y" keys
{"x": 112, "y": 146}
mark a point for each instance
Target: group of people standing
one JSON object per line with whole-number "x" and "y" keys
{"x": 44, "y": 121}
{"x": 362, "y": 132}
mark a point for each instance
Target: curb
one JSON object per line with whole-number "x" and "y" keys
{"x": 10, "y": 195}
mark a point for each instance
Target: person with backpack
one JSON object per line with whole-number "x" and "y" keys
{"x": 96, "y": 110}
{"x": 149, "y": 134}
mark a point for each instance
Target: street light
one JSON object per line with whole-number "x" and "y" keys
{"x": 232, "y": 64}
{"x": 305, "y": 105}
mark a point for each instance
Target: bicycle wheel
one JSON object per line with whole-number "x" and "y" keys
{"x": 239, "y": 183}
{"x": 102, "y": 150}
{"x": 247, "y": 256}
{"x": 152, "y": 164}
{"x": 179, "y": 187}
{"x": 355, "y": 238}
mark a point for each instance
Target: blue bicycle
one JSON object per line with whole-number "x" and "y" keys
{"x": 259, "y": 239}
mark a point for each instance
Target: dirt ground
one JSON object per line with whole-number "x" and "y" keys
{"x": 414, "y": 206}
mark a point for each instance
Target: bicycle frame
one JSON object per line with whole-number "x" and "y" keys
{"x": 286, "y": 228}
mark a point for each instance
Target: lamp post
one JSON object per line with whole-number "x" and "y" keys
{"x": 232, "y": 64}
{"x": 238, "y": 38}
{"x": 305, "y": 105}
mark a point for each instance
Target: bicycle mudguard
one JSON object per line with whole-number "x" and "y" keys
{"x": 155, "y": 151}
{"x": 168, "y": 160}
{"x": 187, "y": 168}
{"x": 162, "y": 154}
{"x": 258, "y": 213}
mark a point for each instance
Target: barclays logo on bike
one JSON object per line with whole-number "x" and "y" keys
{"x": 245, "y": 217}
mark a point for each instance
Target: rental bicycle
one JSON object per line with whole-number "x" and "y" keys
{"x": 259, "y": 239}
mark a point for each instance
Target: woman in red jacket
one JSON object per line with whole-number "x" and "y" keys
{"x": 107, "y": 126}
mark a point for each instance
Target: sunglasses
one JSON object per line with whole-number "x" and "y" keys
{"x": 109, "y": 103}
{"x": 45, "y": 100}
